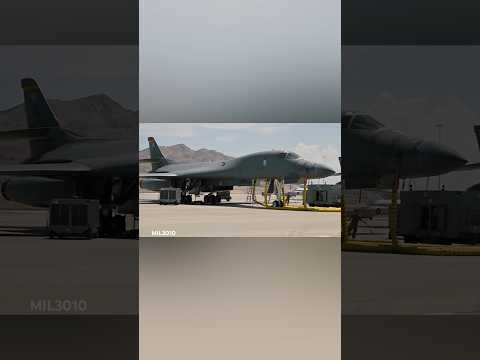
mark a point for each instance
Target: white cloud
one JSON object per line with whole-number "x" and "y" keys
{"x": 166, "y": 129}
{"x": 327, "y": 155}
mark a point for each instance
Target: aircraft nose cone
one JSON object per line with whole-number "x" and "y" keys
{"x": 320, "y": 171}
{"x": 314, "y": 170}
{"x": 439, "y": 159}
{"x": 329, "y": 171}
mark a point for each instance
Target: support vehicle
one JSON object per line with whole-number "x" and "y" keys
{"x": 73, "y": 218}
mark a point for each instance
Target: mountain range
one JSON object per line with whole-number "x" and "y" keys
{"x": 95, "y": 115}
{"x": 182, "y": 153}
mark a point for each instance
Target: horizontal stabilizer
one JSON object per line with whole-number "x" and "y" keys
{"x": 26, "y": 134}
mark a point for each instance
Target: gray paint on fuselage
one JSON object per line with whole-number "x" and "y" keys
{"x": 102, "y": 156}
{"x": 268, "y": 164}
{"x": 371, "y": 151}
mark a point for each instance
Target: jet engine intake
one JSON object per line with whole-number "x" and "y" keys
{"x": 36, "y": 190}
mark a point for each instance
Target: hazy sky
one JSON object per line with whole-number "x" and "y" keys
{"x": 410, "y": 71}
{"x": 315, "y": 142}
{"x": 240, "y": 61}
{"x": 415, "y": 88}
{"x": 69, "y": 22}
{"x": 68, "y": 72}
{"x": 410, "y": 22}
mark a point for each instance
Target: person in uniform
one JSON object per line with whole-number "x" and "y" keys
{"x": 353, "y": 226}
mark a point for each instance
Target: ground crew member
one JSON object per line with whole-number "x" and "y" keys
{"x": 353, "y": 226}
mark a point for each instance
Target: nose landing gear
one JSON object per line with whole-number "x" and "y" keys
{"x": 186, "y": 199}
{"x": 277, "y": 203}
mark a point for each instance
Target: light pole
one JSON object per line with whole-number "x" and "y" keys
{"x": 439, "y": 127}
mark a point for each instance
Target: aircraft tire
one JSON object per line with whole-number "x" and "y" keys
{"x": 410, "y": 239}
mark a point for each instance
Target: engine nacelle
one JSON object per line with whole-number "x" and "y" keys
{"x": 154, "y": 184}
{"x": 36, "y": 190}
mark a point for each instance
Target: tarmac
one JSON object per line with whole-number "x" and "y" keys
{"x": 415, "y": 337}
{"x": 372, "y": 236}
{"x": 408, "y": 280}
{"x": 409, "y": 284}
{"x": 103, "y": 273}
{"x": 236, "y": 218}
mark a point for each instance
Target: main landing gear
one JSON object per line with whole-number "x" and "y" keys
{"x": 212, "y": 199}
{"x": 209, "y": 199}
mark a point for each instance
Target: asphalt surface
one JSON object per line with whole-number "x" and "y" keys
{"x": 410, "y": 284}
{"x": 413, "y": 337}
{"x": 102, "y": 273}
{"x": 233, "y": 219}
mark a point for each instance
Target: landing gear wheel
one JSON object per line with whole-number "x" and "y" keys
{"x": 276, "y": 204}
{"x": 410, "y": 239}
{"x": 218, "y": 199}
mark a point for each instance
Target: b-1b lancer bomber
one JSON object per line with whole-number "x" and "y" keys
{"x": 220, "y": 176}
{"x": 373, "y": 154}
{"x": 63, "y": 164}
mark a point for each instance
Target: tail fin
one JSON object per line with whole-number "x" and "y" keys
{"x": 156, "y": 156}
{"x": 39, "y": 115}
{"x": 476, "y": 128}
{"x": 37, "y": 109}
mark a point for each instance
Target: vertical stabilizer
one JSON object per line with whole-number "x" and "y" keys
{"x": 156, "y": 156}
{"x": 37, "y": 109}
{"x": 39, "y": 115}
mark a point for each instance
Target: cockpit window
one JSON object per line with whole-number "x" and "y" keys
{"x": 365, "y": 122}
{"x": 292, "y": 156}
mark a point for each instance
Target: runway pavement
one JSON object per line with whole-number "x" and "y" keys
{"x": 102, "y": 273}
{"x": 233, "y": 219}
{"x": 29, "y": 222}
{"x": 409, "y": 284}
